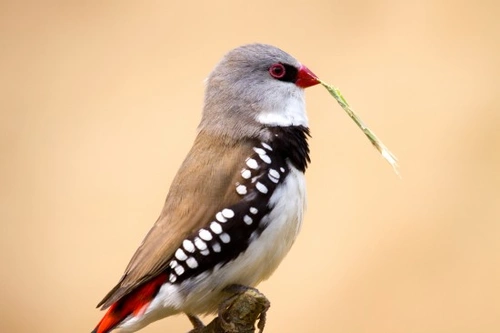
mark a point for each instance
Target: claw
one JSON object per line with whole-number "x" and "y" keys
{"x": 255, "y": 297}
{"x": 196, "y": 322}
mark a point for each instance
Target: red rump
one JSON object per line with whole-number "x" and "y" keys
{"x": 131, "y": 304}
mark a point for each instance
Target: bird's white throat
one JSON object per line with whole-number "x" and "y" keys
{"x": 290, "y": 111}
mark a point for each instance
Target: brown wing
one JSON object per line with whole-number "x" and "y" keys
{"x": 203, "y": 185}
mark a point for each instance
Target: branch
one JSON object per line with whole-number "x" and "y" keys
{"x": 239, "y": 313}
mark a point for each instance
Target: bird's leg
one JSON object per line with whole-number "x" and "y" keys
{"x": 255, "y": 300}
{"x": 196, "y": 322}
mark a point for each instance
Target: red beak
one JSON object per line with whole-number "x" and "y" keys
{"x": 306, "y": 78}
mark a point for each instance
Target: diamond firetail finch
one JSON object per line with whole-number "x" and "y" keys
{"x": 236, "y": 204}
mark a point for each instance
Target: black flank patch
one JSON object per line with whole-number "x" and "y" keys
{"x": 289, "y": 146}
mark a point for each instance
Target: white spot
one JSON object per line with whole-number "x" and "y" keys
{"x": 252, "y": 164}
{"x": 205, "y": 234}
{"x": 216, "y": 247}
{"x": 180, "y": 255}
{"x": 247, "y": 219}
{"x": 205, "y": 252}
{"x": 191, "y": 262}
{"x": 188, "y": 245}
{"x": 274, "y": 173}
{"x": 254, "y": 210}
{"x": 172, "y": 278}
{"x": 259, "y": 151}
{"x": 179, "y": 270}
{"x": 265, "y": 145}
{"x": 225, "y": 238}
{"x": 241, "y": 189}
{"x": 216, "y": 227}
{"x": 261, "y": 187}
{"x": 173, "y": 264}
{"x": 265, "y": 158}
{"x": 245, "y": 173}
{"x": 201, "y": 245}
{"x": 273, "y": 179}
{"x": 220, "y": 218}
{"x": 228, "y": 213}
{"x": 282, "y": 169}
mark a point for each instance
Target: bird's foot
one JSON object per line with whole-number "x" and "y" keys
{"x": 198, "y": 325}
{"x": 242, "y": 309}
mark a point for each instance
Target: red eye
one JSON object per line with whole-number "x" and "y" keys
{"x": 277, "y": 71}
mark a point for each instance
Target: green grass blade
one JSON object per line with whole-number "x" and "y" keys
{"x": 376, "y": 142}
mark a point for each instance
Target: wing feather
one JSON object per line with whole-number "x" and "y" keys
{"x": 197, "y": 192}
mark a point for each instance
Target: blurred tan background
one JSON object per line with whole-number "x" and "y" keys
{"x": 99, "y": 101}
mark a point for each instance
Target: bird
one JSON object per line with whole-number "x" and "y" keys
{"x": 236, "y": 204}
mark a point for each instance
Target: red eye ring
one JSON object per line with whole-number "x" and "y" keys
{"x": 277, "y": 71}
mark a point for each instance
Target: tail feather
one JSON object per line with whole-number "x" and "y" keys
{"x": 133, "y": 304}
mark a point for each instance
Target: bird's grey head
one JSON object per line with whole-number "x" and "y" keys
{"x": 253, "y": 87}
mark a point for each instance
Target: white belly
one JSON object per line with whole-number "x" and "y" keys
{"x": 202, "y": 294}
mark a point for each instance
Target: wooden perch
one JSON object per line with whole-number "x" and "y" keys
{"x": 239, "y": 314}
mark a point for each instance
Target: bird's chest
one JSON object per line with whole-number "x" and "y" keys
{"x": 245, "y": 241}
{"x": 282, "y": 224}
{"x": 265, "y": 250}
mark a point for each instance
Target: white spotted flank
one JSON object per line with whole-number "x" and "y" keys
{"x": 260, "y": 151}
{"x": 252, "y": 164}
{"x": 274, "y": 176}
{"x": 216, "y": 247}
{"x": 200, "y": 245}
{"x": 225, "y": 238}
{"x": 261, "y": 188}
{"x": 191, "y": 262}
{"x": 220, "y": 217}
{"x": 228, "y": 213}
{"x": 180, "y": 255}
{"x": 265, "y": 158}
{"x": 215, "y": 227}
{"x": 188, "y": 245}
{"x": 245, "y": 173}
{"x": 265, "y": 145}
{"x": 247, "y": 219}
{"x": 179, "y": 270}
{"x": 205, "y": 234}
{"x": 274, "y": 173}
{"x": 241, "y": 189}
